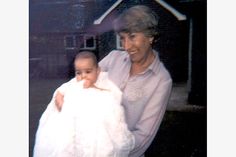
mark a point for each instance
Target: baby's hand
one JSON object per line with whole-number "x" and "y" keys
{"x": 59, "y": 100}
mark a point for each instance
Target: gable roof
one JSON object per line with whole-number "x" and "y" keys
{"x": 100, "y": 19}
{"x": 165, "y": 5}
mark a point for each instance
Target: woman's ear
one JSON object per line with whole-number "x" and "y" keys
{"x": 151, "y": 40}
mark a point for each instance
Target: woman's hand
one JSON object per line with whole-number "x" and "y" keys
{"x": 59, "y": 100}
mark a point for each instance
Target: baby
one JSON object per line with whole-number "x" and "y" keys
{"x": 84, "y": 117}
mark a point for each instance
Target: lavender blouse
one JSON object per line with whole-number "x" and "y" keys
{"x": 145, "y": 96}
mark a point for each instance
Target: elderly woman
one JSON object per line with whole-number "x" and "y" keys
{"x": 139, "y": 73}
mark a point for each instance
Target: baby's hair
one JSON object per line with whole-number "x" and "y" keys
{"x": 87, "y": 55}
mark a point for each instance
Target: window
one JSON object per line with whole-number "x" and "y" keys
{"x": 88, "y": 42}
{"x": 80, "y": 41}
{"x": 69, "y": 42}
{"x": 118, "y": 43}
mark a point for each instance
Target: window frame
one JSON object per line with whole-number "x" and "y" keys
{"x": 85, "y": 38}
{"x": 74, "y": 45}
{"x": 118, "y": 43}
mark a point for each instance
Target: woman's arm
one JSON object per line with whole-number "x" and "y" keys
{"x": 149, "y": 123}
{"x": 59, "y": 100}
{"x": 60, "y": 92}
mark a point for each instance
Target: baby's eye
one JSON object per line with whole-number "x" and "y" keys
{"x": 78, "y": 73}
{"x": 88, "y": 71}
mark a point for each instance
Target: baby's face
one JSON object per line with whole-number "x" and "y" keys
{"x": 86, "y": 70}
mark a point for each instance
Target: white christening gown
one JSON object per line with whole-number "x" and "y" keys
{"x": 90, "y": 124}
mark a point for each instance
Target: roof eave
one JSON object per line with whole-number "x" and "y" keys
{"x": 177, "y": 14}
{"x": 100, "y": 19}
{"x": 168, "y": 7}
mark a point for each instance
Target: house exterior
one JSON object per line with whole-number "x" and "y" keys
{"x": 61, "y": 28}
{"x": 57, "y": 33}
{"x": 172, "y": 45}
{"x": 196, "y": 11}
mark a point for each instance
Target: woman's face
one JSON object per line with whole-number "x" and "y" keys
{"x": 86, "y": 70}
{"x": 138, "y": 46}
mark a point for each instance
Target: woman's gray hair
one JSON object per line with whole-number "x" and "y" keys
{"x": 139, "y": 18}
